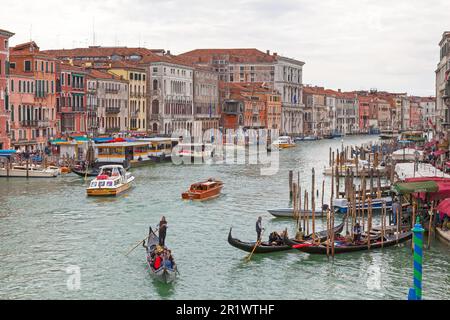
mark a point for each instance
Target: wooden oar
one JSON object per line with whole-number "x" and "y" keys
{"x": 140, "y": 242}
{"x": 254, "y": 248}
{"x": 136, "y": 245}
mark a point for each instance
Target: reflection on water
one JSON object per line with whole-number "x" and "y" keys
{"x": 47, "y": 225}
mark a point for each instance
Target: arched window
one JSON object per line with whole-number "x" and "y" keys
{"x": 155, "y": 84}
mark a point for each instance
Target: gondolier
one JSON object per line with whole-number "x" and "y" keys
{"x": 162, "y": 231}
{"x": 259, "y": 229}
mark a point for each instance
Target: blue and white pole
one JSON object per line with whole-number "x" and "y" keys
{"x": 416, "y": 292}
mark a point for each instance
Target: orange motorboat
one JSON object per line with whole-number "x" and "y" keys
{"x": 203, "y": 190}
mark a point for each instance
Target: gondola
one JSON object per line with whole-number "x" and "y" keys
{"x": 163, "y": 274}
{"x": 266, "y": 247}
{"x": 289, "y": 213}
{"x": 389, "y": 241}
{"x": 91, "y": 173}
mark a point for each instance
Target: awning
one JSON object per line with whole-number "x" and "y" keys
{"x": 430, "y": 144}
{"x": 438, "y": 153}
{"x": 415, "y": 187}
{"x": 444, "y": 208}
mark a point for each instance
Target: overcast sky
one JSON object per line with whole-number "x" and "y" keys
{"x": 348, "y": 44}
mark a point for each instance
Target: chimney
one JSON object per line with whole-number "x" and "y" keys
{"x": 339, "y": 90}
{"x": 275, "y": 54}
{"x": 268, "y": 52}
{"x": 168, "y": 52}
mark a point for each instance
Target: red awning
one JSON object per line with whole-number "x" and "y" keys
{"x": 420, "y": 179}
{"x": 438, "y": 153}
{"x": 430, "y": 144}
{"x": 444, "y": 208}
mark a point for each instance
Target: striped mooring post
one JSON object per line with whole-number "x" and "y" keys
{"x": 416, "y": 292}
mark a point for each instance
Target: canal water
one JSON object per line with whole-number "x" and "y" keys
{"x": 50, "y": 230}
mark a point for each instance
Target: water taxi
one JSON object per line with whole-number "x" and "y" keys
{"x": 112, "y": 180}
{"x": 203, "y": 190}
{"x": 284, "y": 142}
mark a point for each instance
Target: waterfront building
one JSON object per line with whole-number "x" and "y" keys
{"x": 170, "y": 93}
{"x": 428, "y": 106}
{"x": 251, "y": 65}
{"x": 34, "y": 101}
{"x": 317, "y": 120}
{"x": 415, "y": 114}
{"x": 4, "y": 92}
{"x": 250, "y": 105}
{"x": 383, "y": 113}
{"x": 206, "y": 100}
{"x": 137, "y": 94}
{"x": 347, "y": 119}
{"x": 107, "y": 102}
{"x": 72, "y": 90}
{"x": 364, "y": 113}
{"x": 443, "y": 83}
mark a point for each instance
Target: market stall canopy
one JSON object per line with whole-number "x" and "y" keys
{"x": 7, "y": 153}
{"x": 444, "y": 207}
{"x": 430, "y": 144}
{"x": 438, "y": 153}
{"x": 415, "y": 187}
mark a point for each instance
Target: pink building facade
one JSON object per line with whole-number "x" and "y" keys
{"x": 4, "y": 91}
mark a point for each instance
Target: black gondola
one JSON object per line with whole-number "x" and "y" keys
{"x": 82, "y": 173}
{"x": 389, "y": 241}
{"x": 266, "y": 247}
{"x": 163, "y": 273}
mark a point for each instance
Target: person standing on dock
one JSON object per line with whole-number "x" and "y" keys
{"x": 162, "y": 231}
{"x": 396, "y": 210}
{"x": 259, "y": 229}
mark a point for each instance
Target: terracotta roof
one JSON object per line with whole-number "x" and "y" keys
{"x": 247, "y": 55}
{"x": 69, "y": 67}
{"x": 126, "y": 65}
{"x": 6, "y": 33}
{"x": 148, "y": 59}
{"x": 98, "y": 51}
{"x": 97, "y": 74}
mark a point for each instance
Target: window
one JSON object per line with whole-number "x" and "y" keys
{"x": 155, "y": 69}
{"x": 46, "y": 66}
{"x": 12, "y": 85}
{"x": 12, "y": 65}
{"x": 131, "y": 76}
{"x": 27, "y": 66}
{"x": 62, "y": 78}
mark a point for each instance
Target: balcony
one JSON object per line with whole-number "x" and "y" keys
{"x": 156, "y": 92}
{"x": 112, "y": 130}
{"x": 115, "y": 91}
{"x": 29, "y": 123}
{"x": 44, "y": 124}
{"x": 134, "y": 114}
{"x": 112, "y": 110}
{"x": 155, "y": 117}
{"x": 40, "y": 94}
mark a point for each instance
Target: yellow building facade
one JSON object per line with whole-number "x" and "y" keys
{"x": 137, "y": 103}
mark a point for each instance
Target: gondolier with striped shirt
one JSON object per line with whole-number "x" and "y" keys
{"x": 259, "y": 229}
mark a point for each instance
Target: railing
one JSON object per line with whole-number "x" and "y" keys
{"x": 29, "y": 123}
{"x": 154, "y": 117}
{"x": 156, "y": 92}
{"x": 112, "y": 109}
{"x": 40, "y": 94}
{"x": 112, "y": 91}
{"x": 112, "y": 129}
{"x": 134, "y": 114}
{"x": 43, "y": 124}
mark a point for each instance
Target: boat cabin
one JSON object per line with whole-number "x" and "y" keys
{"x": 118, "y": 152}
